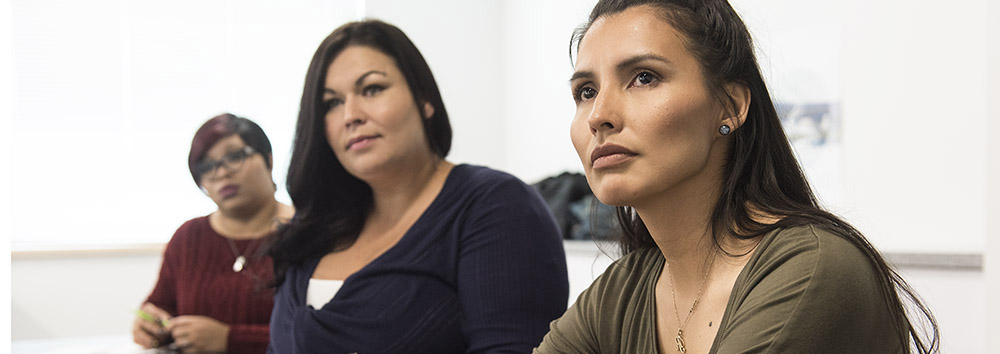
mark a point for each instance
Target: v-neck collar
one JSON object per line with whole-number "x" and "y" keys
{"x": 448, "y": 185}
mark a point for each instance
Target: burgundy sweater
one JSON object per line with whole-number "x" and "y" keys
{"x": 197, "y": 278}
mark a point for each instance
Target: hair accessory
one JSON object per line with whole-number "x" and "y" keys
{"x": 724, "y": 130}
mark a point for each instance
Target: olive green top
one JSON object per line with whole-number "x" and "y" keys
{"x": 804, "y": 290}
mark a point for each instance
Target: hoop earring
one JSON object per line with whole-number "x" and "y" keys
{"x": 724, "y": 130}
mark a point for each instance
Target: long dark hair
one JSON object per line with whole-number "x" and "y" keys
{"x": 331, "y": 205}
{"x": 761, "y": 175}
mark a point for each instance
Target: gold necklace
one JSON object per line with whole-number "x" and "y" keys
{"x": 679, "y": 339}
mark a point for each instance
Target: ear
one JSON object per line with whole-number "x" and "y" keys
{"x": 428, "y": 110}
{"x": 738, "y": 105}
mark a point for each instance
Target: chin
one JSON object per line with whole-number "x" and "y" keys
{"x": 233, "y": 203}
{"x": 242, "y": 200}
{"x": 612, "y": 199}
{"x": 613, "y": 191}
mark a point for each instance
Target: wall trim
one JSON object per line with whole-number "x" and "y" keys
{"x": 947, "y": 261}
{"x": 944, "y": 261}
{"x": 24, "y": 252}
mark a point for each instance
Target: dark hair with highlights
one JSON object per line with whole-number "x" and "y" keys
{"x": 221, "y": 127}
{"x": 761, "y": 175}
{"x": 331, "y": 205}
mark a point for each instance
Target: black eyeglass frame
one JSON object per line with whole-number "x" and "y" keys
{"x": 232, "y": 161}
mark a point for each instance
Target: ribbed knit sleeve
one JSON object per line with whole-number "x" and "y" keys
{"x": 248, "y": 338}
{"x": 164, "y": 294}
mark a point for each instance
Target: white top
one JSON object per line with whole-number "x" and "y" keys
{"x": 321, "y": 291}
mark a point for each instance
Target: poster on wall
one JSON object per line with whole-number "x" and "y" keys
{"x": 813, "y": 129}
{"x": 801, "y": 62}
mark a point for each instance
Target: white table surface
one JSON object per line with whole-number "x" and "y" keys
{"x": 117, "y": 344}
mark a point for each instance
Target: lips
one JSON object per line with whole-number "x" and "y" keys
{"x": 360, "y": 141}
{"x": 229, "y": 191}
{"x": 610, "y": 155}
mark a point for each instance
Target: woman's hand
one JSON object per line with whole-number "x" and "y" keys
{"x": 199, "y": 334}
{"x": 150, "y": 334}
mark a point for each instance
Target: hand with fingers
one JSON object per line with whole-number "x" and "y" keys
{"x": 199, "y": 334}
{"x": 149, "y": 327}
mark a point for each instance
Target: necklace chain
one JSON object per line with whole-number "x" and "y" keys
{"x": 679, "y": 339}
{"x": 241, "y": 259}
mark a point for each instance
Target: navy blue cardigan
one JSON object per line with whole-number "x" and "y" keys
{"x": 481, "y": 271}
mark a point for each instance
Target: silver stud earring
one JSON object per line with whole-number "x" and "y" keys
{"x": 724, "y": 130}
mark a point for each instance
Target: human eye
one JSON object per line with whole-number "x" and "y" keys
{"x": 584, "y": 92}
{"x": 331, "y": 103}
{"x": 644, "y": 78}
{"x": 372, "y": 90}
{"x": 235, "y": 156}
{"x": 205, "y": 167}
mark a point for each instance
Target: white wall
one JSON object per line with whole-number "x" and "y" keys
{"x": 81, "y": 293}
{"x": 957, "y": 299}
{"x": 538, "y": 106}
{"x": 992, "y": 250}
{"x": 107, "y": 95}
{"x": 915, "y": 101}
{"x": 5, "y": 165}
{"x": 911, "y": 171}
{"x": 460, "y": 41}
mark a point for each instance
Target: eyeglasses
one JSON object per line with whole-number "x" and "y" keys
{"x": 232, "y": 161}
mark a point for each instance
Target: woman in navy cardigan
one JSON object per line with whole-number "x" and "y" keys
{"x": 393, "y": 249}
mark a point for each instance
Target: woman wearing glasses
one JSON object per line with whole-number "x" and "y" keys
{"x": 212, "y": 294}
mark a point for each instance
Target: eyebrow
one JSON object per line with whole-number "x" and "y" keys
{"x": 357, "y": 83}
{"x": 581, "y": 75}
{"x": 623, "y": 65}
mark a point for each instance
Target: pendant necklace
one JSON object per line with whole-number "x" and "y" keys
{"x": 241, "y": 260}
{"x": 679, "y": 339}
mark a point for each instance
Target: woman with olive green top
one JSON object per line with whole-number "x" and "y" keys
{"x": 726, "y": 249}
{"x": 803, "y": 290}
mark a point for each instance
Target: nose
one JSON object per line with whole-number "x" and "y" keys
{"x": 221, "y": 171}
{"x": 354, "y": 113}
{"x": 605, "y": 113}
